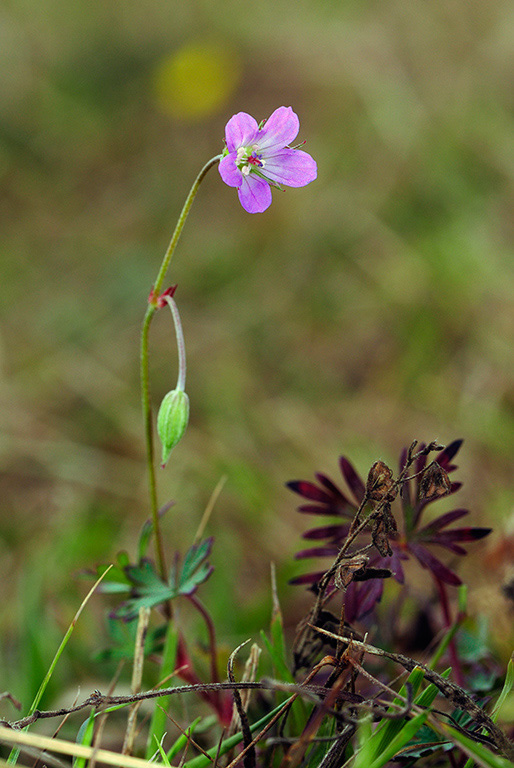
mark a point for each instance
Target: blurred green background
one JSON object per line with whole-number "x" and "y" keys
{"x": 370, "y": 308}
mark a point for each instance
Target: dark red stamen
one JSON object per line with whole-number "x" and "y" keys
{"x": 255, "y": 159}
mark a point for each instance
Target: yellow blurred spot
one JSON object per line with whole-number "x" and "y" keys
{"x": 196, "y": 80}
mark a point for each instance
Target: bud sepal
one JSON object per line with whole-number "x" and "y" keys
{"x": 172, "y": 421}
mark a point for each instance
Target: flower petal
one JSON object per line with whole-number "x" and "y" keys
{"x": 241, "y": 130}
{"x": 279, "y": 130}
{"x": 291, "y": 167}
{"x": 254, "y": 194}
{"x": 229, "y": 171}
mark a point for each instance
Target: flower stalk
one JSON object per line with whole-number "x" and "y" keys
{"x": 181, "y": 347}
{"x": 173, "y": 415}
{"x": 153, "y": 305}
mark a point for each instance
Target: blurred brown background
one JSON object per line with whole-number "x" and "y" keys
{"x": 370, "y": 308}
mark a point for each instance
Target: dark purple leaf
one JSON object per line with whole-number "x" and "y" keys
{"x": 365, "y": 574}
{"x": 440, "y": 541}
{"x": 443, "y": 520}
{"x": 432, "y": 563}
{"x": 361, "y": 598}
{"x": 336, "y": 493}
{"x": 336, "y": 532}
{"x": 307, "y": 578}
{"x": 317, "y": 552}
{"x": 472, "y": 534}
{"x": 446, "y": 538}
{"x": 420, "y": 506}
{"x": 355, "y": 484}
{"x": 309, "y": 491}
{"x": 447, "y": 454}
{"x": 395, "y": 564}
{"x": 325, "y": 509}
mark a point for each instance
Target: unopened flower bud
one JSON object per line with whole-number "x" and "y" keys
{"x": 172, "y": 420}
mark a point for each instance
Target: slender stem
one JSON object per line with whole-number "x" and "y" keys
{"x": 212, "y": 635}
{"x": 148, "y": 426}
{"x": 180, "y": 225}
{"x": 452, "y": 648}
{"x": 212, "y": 646}
{"x": 145, "y": 376}
{"x": 181, "y": 347}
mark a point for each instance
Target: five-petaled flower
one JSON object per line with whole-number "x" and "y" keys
{"x": 258, "y": 157}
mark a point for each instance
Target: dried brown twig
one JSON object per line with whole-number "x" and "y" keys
{"x": 450, "y": 690}
{"x": 102, "y": 702}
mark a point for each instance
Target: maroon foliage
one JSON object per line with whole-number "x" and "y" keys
{"x": 424, "y": 484}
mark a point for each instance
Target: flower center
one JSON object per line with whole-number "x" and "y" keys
{"x": 248, "y": 159}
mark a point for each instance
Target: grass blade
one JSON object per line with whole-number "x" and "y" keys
{"x": 13, "y": 757}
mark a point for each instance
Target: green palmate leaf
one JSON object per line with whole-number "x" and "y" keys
{"x": 115, "y": 588}
{"x": 144, "y": 539}
{"x": 195, "y": 569}
{"x": 148, "y": 589}
{"x": 123, "y": 559}
{"x": 117, "y": 581}
{"x": 123, "y": 638}
{"x": 473, "y": 641}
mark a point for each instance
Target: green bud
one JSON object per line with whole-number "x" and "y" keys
{"x": 172, "y": 421}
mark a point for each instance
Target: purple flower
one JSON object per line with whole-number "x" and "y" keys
{"x": 258, "y": 157}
